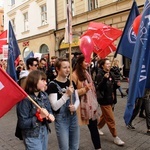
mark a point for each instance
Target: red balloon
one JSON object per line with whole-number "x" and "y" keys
{"x": 86, "y": 47}
{"x": 136, "y": 24}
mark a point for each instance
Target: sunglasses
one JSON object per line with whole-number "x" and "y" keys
{"x": 35, "y": 65}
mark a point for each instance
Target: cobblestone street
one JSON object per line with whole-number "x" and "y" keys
{"x": 134, "y": 140}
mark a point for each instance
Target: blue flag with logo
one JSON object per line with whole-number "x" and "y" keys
{"x": 128, "y": 39}
{"x": 13, "y": 53}
{"x": 139, "y": 76}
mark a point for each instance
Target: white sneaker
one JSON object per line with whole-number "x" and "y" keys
{"x": 118, "y": 141}
{"x": 100, "y": 132}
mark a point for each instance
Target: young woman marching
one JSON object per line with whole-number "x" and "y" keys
{"x": 60, "y": 91}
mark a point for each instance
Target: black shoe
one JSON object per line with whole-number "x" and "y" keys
{"x": 129, "y": 126}
{"x": 142, "y": 116}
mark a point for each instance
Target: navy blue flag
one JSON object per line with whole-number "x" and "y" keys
{"x": 139, "y": 76}
{"x": 128, "y": 38}
{"x": 30, "y": 55}
{"x": 13, "y": 53}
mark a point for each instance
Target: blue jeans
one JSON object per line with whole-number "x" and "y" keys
{"x": 39, "y": 143}
{"x": 67, "y": 130}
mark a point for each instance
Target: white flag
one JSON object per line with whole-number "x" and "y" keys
{"x": 68, "y": 26}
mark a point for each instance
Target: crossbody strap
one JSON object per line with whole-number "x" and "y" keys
{"x": 58, "y": 87}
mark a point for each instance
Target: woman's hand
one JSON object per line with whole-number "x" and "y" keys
{"x": 88, "y": 86}
{"x": 106, "y": 75}
{"x": 69, "y": 90}
{"x": 72, "y": 108}
{"x": 50, "y": 117}
{"x": 43, "y": 112}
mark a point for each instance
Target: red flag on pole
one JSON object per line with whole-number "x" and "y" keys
{"x": 111, "y": 48}
{"x": 3, "y": 40}
{"x": 102, "y": 35}
{"x": 10, "y": 93}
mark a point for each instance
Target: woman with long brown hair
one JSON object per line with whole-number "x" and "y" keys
{"x": 87, "y": 111}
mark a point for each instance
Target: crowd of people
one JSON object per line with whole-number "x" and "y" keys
{"x": 87, "y": 96}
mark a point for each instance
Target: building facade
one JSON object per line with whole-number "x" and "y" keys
{"x": 34, "y": 23}
{"x": 110, "y": 12}
{"x": 40, "y": 24}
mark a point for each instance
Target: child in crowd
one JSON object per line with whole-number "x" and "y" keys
{"x": 33, "y": 122}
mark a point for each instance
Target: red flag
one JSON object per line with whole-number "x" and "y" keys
{"x": 102, "y": 35}
{"x": 95, "y": 25}
{"x": 3, "y": 40}
{"x": 111, "y": 48}
{"x": 10, "y": 93}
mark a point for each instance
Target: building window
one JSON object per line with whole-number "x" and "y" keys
{"x": 13, "y": 24}
{"x": 12, "y": 2}
{"x": 92, "y": 4}
{"x": 44, "y": 49}
{"x": 43, "y": 14}
{"x": 26, "y": 52}
{"x": 26, "y": 23}
{"x": 72, "y": 6}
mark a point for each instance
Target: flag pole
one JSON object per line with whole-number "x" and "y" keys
{"x": 112, "y": 62}
{"x": 70, "y": 60}
{"x": 69, "y": 16}
{"x": 34, "y": 102}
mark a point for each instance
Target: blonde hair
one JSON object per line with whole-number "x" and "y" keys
{"x": 116, "y": 62}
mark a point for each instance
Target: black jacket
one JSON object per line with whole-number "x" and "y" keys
{"x": 106, "y": 88}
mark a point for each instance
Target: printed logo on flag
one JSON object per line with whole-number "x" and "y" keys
{"x": 1, "y": 86}
{"x": 131, "y": 35}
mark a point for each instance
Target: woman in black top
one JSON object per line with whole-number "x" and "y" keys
{"x": 60, "y": 90}
{"x": 106, "y": 97}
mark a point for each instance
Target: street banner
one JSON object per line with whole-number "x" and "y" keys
{"x": 139, "y": 75}
{"x": 128, "y": 38}
{"x": 38, "y": 55}
{"x": 3, "y": 40}
{"x": 5, "y": 52}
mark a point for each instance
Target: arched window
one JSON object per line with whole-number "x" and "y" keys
{"x": 44, "y": 49}
{"x": 26, "y": 52}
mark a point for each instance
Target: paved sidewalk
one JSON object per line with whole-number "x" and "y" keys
{"x": 134, "y": 140}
